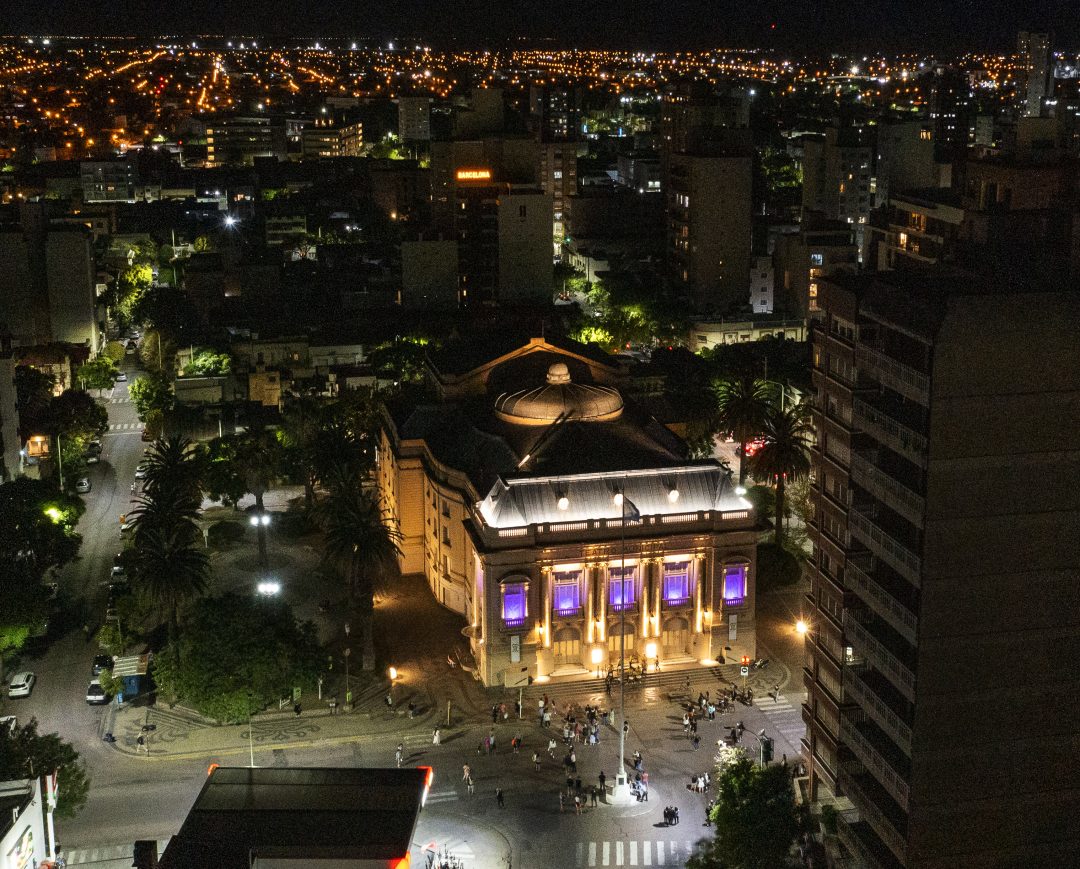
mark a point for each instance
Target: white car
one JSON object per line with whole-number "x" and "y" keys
{"x": 95, "y": 694}
{"x": 21, "y": 684}
{"x": 82, "y": 486}
{"x": 121, "y": 377}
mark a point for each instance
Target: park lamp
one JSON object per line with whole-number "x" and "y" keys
{"x": 269, "y": 587}
{"x": 260, "y": 519}
{"x": 392, "y": 673}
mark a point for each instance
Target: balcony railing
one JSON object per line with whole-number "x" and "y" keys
{"x": 513, "y": 623}
{"x": 895, "y": 375}
{"x": 603, "y": 527}
{"x": 671, "y": 602}
{"x": 899, "y": 497}
{"x": 869, "y": 812}
{"x": 854, "y": 843}
{"x": 886, "y": 547}
{"x": 622, "y": 607}
{"x": 734, "y": 601}
{"x": 867, "y": 645}
{"x": 876, "y": 708}
{"x": 875, "y": 761}
{"x": 880, "y": 601}
{"x": 894, "y": 434}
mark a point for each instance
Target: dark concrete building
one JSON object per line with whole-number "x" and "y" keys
{"x": 941, "y": 696}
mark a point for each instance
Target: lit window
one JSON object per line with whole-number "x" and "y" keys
{"x": 557, "y": 174}
{"x": 677, "y": 583}
{"x": 568, "y": 592}
{"x": 817, "y": 259}
{"x": 734, "y": 584}
{"x": 621, "y": 588}
{"x": 813, "y": 289}
{"x": 515, "y": 606}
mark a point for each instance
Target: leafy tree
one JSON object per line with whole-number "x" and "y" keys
{"x": 785, "y": 456}
{"x": 157, "y": 352}
{"x": 202, "y": 244}
{"x": 754, "y": 818}
{"x": 223, "y": 482}
{"x": 208, "y": 363}
{"x": 37, "y": 528}
{"x": 25, "y": 753}
{"x": 360, "y": 543}
{"x": 258, "y": 462}
{"x": 152, "y": 392}
{"x": 239, "y": 654}
{"x": 298, "y": 436}
{"x": 74, "y": 413}
{"x": 741, "y": 407}
{"x": 98, "y": 373}
{"x": 167, "y": 310}
{"x": 33, "y": 392}
{"x": 114, "y": 350}
{"x": 403, "y": 358}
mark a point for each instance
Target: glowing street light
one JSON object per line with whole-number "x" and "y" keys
{"x": 269, "y": 587}
{"x": 801, "y": 627}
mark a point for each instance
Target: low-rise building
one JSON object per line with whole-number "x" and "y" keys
{"x": 706, "y": 334}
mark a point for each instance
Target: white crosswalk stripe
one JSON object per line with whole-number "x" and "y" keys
{"x": 117, "y": 855}
{"x": 126, "y": 426}
{"x": 634, "y": 853}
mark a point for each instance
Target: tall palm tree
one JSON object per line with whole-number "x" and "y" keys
{"x": 742, "y": 404}
{"x": 361, "y": 543}
{"x": 785, "y": 456}
{"x": 258, "y": 462}
{"x": 168, "y": 564}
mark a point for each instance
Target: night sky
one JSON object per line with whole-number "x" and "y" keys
{"x": 800, "y": 25}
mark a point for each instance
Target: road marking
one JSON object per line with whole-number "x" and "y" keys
{"x": 607, "y": 853}
{"x": 619, "y": 853}
{"x": 633, "y": 853}
{"x": 580, "y": 853}
{"x": 592, "y": 853}
{"x": 659, "y": 853}
{"x": 646, "y": 852}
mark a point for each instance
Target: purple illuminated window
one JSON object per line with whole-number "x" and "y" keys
{"x": 734, "y": 584}
{"x": 621, "y": 589}
{"x": 567, "y": 593}
{"x": 515, "y": 606}
{"x": 677, "y": 583}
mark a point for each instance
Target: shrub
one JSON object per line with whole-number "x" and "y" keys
{"x": 292, "y": 525}
{"x": 225, "y": 532}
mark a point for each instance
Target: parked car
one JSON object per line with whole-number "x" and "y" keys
{"x": 82, "y": 486}
{"x": 101, "y": 662}
{"x": 21, "y": 684}
{"x": 10, "y": 720}
{"x": 140, "y": 471}
{"x": 121, "y": 377}
{"x": 92, "y": 458}
{"x": 95, "y": 694}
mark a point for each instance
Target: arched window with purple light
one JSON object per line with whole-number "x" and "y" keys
{"x": 677, "y": 583}
{"x": 734, "y": 584}
{"x": 567, "y": 597}
{"x": 622, "y": 588}
{"x": 515, "y": 604}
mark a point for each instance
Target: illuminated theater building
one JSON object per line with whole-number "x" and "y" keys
{"x": 550, "y": 512}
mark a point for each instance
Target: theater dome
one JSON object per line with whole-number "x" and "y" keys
{"x": 559, "y": 397}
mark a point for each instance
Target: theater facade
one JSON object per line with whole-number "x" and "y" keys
{"x": 567, "y": 526}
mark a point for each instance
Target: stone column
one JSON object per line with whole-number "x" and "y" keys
{"x": 603, "y": 576}
{"x": 658, "y": 593}
{"x": 644, "y": 566}
{"x": 548, "y": 593}
{"x": 590, "y": 603}
{"x": 699, "y": 580}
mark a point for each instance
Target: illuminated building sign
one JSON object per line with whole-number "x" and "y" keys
{"x": 473, "y": 175}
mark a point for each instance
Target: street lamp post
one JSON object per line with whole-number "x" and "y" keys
{"x": 348, "y": 692}
{"x": 620, "y": 793}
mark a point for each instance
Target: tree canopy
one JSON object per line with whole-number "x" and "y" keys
{"x": 24, "y": 753}
{"x": 152, "y": 392}
{"x": 240, "y": 653}
{"x": 98, "y": 373}
{"x": 754, "y": 818}
{"x": 208, "y": 363}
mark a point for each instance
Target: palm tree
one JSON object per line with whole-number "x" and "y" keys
{"x": 298, "y": 435}
{"x": 785, "y": 456}
{"x": 258, "y": 463}
{"x": 742, "y": 404}
{"x": 167, "y": 562}
{"x": 361, "y": 543}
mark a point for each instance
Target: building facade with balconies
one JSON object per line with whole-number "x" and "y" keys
{"x": 945, "y": 485}
{"x": 566, "y": 525}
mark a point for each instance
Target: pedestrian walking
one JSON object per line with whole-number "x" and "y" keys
{"x": 499, "y": 798}
{"x": 86, "y": 632}
{"x": 547, "y": 718}
{"x": 603, "y": 781}
{"x": 593, "y": 796}
{"x": 569, "y": 785}
{"x": 466, "y": 772}
{"x": 573, "y": 761}
{"x": 296, "y": 709}
{"x": 436, "y": 737}
{"x": 577, "y": 804}
{"x": 333, "y": 704}
{"x": 540, "y": 703}
{"x": 562, "y": 801}
{"x": 536, "y": 761}
{"x": 399, "y": 753}
{"x": 551, "y": 747}
{"x": 494, "y": 714}
{"x": 491, "y": 742}
{"x": 517, "y": 743}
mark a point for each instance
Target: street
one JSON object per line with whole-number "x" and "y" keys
{"x": 135, "y": 796}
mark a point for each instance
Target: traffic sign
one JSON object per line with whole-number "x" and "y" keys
{"x": 744, "y": 671}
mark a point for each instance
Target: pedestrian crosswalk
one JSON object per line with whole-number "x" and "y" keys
{"x": 126, "y": 426}
{"x": 650, "y": 852}
{"x": 119, "y": 401}
{"x": 101, "y": 858}
{"x": 783, "y": 718}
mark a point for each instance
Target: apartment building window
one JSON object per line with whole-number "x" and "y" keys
{"x": 445, "y": 536}
{"x": 817, "y": 259}
{"x": 557, "y": 174}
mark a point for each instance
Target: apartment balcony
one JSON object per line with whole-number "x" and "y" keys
{"x": 885, "y": 546}
{"x": 859, "y": 629}
{"x": 882, "y": 486}
{"x": 863, "y": 843}
{"x": 866, "y": 688}
{"x": 897, "y": 376}
{"x": 875, "y": 756}
{"x": 867, "y": 796}
{"x": 894, "y": 434}
{"x": 881, "y": 601}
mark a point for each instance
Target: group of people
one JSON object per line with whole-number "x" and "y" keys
{"x": 699, "y": 784}
{"x": 671, "y": 815}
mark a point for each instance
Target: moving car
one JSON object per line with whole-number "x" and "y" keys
{"x": 95, "y": 694}
{"x": 121, "y": 377}
{"x": 21, "y": 684}
{"x": 82, "y": 486}
{"x": 101, "y": 662}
